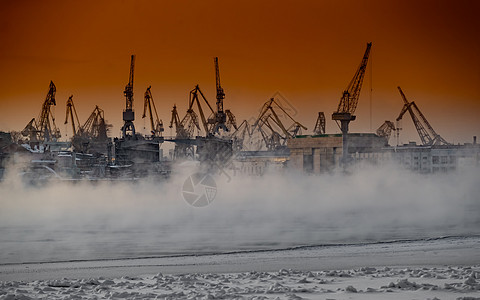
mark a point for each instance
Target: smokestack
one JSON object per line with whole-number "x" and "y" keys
{"x": 474, "y": 139}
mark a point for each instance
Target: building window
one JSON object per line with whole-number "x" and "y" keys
{"x": 444, "y": 159}
{"x": 435, "y": 160}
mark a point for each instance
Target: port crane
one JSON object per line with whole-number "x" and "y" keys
{"x": 44, "y": 128}
{"x": 92, "y": 132}
{"x": 195, "y": 99}
{"x": 231, "y": 120}
{"x": 72, "y": 112}
{"x": 156, "y": 124}
{"x": 179, "y": 130}
{"x": 183, "y": 145}
{"x": 348, "y": 102}
{"x": 185, "y": 128}
{"x": 128, "y": 129}
{"x": 219, "y": 118}
{"x": 385, "y": 130}
{"x": 320, "y": 124}
{"x": 95, "y": 127}
{"x": 427, "y": 134}
{"x": 239, "y": 135}
{"x": 272, "y": 129}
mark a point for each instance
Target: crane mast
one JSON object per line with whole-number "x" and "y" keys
{"x": 348, "y": 103}
{"x": 128, "y": 113}
{"x": 220, "y": 92}
{"x": 427, "y": 134}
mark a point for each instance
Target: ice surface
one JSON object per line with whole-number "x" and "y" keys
{"x": 363, "y": 283}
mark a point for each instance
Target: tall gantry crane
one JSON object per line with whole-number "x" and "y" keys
{"x": 320, "y": 124}
{"x": 157, "y": 124}
{"x": 427, "y": 134}
{"x": 219, "y": 117}
{"x": 44, "y": 128}
{"x": 72, "y": 112}
{"x": 128, "y": 128}
{"x": 348, "y": 102}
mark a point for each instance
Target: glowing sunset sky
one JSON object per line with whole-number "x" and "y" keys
{"x": 307, "y": 50}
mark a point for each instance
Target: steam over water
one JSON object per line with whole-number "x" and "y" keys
{"x": 108, "y": 220}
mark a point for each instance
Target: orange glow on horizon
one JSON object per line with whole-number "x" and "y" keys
{"x": 307, "y": 50}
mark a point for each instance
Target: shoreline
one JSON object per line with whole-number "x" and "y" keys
{"x": 435, "y": 252}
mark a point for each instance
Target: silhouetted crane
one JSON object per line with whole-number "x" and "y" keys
{"x": 428, "y": 136}
{"x": 385, "y": 130}
{"x": 348, "y": 102}
{"x": 219, "y": 117}
{"x": 128, "y": 113}
{"x": 44, "y": 128}
{"x": 272, "y": 129}
{"x": 157, "y": 124}
{"x": 72, "y": 112}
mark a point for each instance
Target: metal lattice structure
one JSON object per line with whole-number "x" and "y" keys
{"x": 156, "y": 125}
{"x": 385, "y": 130}
{"x": 43, "y": 128}
{"x": 320, "y": 124}
{"x": 427, "y": 134}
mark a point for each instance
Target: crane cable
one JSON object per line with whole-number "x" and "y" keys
{"x": 371, "y": 88}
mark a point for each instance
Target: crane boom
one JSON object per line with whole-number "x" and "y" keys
{"x": 194, "y": 99}
{"x": 349, "y": 100}
{"x": 129, "y": 87}
{"x": 175, "y": 118}
{"x": 72, "y": 112}
{"x": 157, "y": 124}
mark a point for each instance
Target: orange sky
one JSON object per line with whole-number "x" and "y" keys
{"x": 307, "y": 50}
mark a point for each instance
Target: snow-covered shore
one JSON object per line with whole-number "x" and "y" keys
{"x": 364, "y": 283}
{"x": 445, "y": 268}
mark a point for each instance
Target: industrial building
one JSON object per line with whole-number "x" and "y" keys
{"x": 319, "y": 154}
